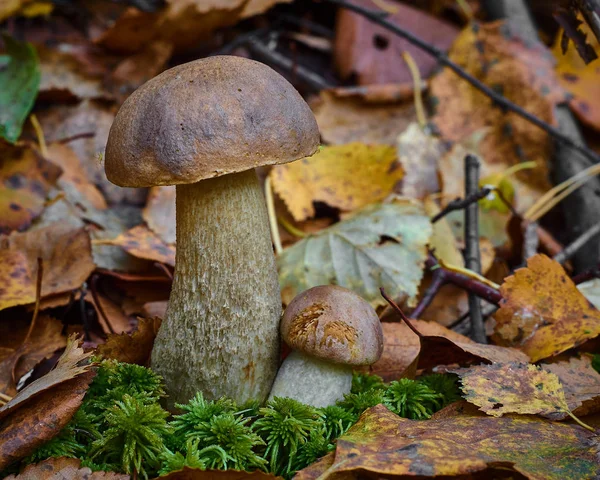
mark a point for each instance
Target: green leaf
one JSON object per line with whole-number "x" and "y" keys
{"x": 382, "y": 245}
{"x": 19, "y": 83}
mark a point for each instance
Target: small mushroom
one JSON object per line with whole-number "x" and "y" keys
{"x": 330, "y": 329}
{"x": 204, "y": 126}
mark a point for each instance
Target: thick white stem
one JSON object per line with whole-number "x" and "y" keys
{"x": 312, "y": 381}
{"x": 220, "y": 334}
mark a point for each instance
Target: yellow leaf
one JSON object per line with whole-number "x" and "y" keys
{"x": 346, "y": 177}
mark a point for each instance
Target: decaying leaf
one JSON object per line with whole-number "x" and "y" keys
{"x": 513, "y": 388}
{"x": 581, "y": 384}
{"x": 63, "y": 468}
{"x": 387, "y": 445}
{"x": 343, "y": 118}
{"x": 346, "y": 177}
{"x": 542, "y": 312}
{"x": 195, "y": 474}
{"x": 159, "y": 212}
{"x": 20, "y": 80}
{"x": 382, "y": 245}
{"x": 66, "y": 254}
{"x": 525, "y": 75}
{"x": 25, "y": 179}
{"x": 372, "y": 53}
{"x": 132, "y": 348}
{"x": 141, "y": 242}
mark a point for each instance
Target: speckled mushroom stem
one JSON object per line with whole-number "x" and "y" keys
{"x": 220, "y": 334}
{"x": 312, "y": 381}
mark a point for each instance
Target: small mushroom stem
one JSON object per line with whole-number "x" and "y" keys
{"x": 220, "y": 335}
{"x": 312, "y": 381}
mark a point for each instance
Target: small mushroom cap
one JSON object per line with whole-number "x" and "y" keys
{"x": 334, "y": 324}
{"x": 208, "y": 118}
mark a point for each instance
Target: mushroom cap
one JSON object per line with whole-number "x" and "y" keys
{"x": 334, "y": 324}
{"x": 207, "y": 118}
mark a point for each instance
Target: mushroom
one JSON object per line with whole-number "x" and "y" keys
{"x": 204, "y": 126}
{"x": 330, "y": 329}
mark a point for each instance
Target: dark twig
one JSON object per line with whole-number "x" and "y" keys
{"x": 590, "y": 9}
{"x": 400, "y": 312}
{"x": 579, "y": 242}
{"x": 472, "y": 253}
{"x": 437, "y": 282}
{"x": 77, "y": 136}
{"x": 500, "y": 100}
{"x": 460, "y": 203}
{"x": 242, "y": 39}
{"x": 83, "y": 312}
{"x": 587, "y": 275}
{"x": 165, "y": 269}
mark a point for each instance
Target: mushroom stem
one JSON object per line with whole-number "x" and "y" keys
{"x": 312, "y": 381}
{"x": 220, "y": 332}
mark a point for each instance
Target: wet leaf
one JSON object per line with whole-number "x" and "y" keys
{"x": 132, "y": 348}
{"x": 371, "y": 52}
{"x": 64, "y": 469}
{"x": 159, "y": 213}
{"x": 383, "y": 443}
{"x": 196, "y": 474}
{"x": 513, "y": 388}
{"x": 65, "y": 251}
{"x": 344, "y": 117}
{"x": 522, "y": 73}
{"x": 25, "y": 180}
{"x": 346, "y": 177}
{"x": 581, "y": 384}
{"x": 20, "y": 80}
{"x": 542, "y": 312}
{"x": 141, "y": 242}
{"x": 382, "y": 245}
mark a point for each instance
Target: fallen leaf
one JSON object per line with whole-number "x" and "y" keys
{"x": 513, "y": 388}
{"x": 581, "y": 384}
{"x": 372, "y": 53}
{"x": 159, "y": 213}
{"x": 25, "y": 180}
{"x": 141, "y": 242}
{"x": 20, "y": 80}
{"x": 525, "y": 75}
{"x": 387, "y": 445}
{"x": 591, "y": 291}
{"x": 419, "y": 153}
{"x": 117, "y": 319}
{"x": 542, "y": 312}
{"x": 352, "y": 118}
{"x": 382, "y": 245}
{"x": 63, "y": 468}
{"x": 66, "y": 255}
{"x": 443, "y": 243}
{"x": 346, "y": 177}
{"x": 72, "y": 363}
{"x": 132, "y": 348}
{"x": 188, "y": 473}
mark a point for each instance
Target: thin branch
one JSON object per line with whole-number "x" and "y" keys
{"x": 587, "y": 275}
{"x": 472, "y": 252}
{"x": 437, "y": 282}
{"x": 460, "y": 203}
{"x": 503, "y": 102}
{"x": 590, "y": 9}
{"x": 94, "y": 290}
{"x": 579, "y": 242}
{"x": 400, "y": 312}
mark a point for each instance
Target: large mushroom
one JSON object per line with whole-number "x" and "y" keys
{"x": 204, "y": 126}
{"x": 331, "y": 330}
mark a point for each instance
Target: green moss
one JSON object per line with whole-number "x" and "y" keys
{"x": 412, "y": 399}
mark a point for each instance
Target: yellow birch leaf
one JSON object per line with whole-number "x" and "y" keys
{"x": 343, "y": 176}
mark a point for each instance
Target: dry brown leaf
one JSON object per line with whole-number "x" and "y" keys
{"x": 448, "y": 305}
{"x": 159, "y": 212}
{"x": 581, "y": 384}
{"x": 118, "y": 320}
{"x": 352, "y": 118}
{"x": 542, "y": 311}
{"x": 525, "y": 75}
{"x": 141, "y": 242}
{"x": 132, "y": 348}
{"x": 63, "y": 468}
{"x": 372, "y": 53}
{"x": 346, "y": 177}
{"x": 384, "y": 445}
{"x": 25, "y": 179}
{"x": 66, "y": 255}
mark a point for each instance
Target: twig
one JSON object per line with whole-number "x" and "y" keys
{"x": 579, "y": 242}
{"x": 77, "y": 136}
{"x": 242, "y": 39}
{"x": 590, "y": 9}
{"x": 378, "y": 18}
{"x": 400, "y": 312}
{"x": 587, "y": 275}
{"x": 437, "y": 282}
{"x": 271, "y": 56}
{"x": 82, "y": 311}
{"x": 94, "y": 290}
{"x": 460, "y": 203}
{"x": 165, "y": 269}
{"x": 472, "y": 252}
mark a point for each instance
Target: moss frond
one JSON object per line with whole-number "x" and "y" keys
{"x": 444, "y": 384}
{"x": 357, "y": 403}
{"x": 337, "y": 421}
{"x": 412, "y": 399}
{"x": 197, "y": 411}
{"x": 172, "y": 462}
{"x": 363, "y": 382}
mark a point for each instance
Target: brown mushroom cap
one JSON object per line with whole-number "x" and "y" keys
{"x": 207, "y": 118}
{"x": 334, "y": 324}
